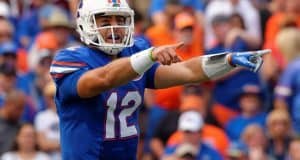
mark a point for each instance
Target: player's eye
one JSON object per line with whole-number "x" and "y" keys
{"x": 104, "y": 24}
{"x": 121, "y": 20}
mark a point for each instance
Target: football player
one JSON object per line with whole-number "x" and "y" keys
{"x": 100, "y": 85}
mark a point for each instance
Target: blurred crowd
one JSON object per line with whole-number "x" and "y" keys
{"x": 242, "y": 116}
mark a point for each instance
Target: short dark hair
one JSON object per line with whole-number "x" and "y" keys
{"x": 8, "y": 70}
{"x": 241, "y": 19}
{"x": 218, "y": 19}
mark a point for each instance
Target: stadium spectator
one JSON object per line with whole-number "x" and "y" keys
{"x": 59, "y": 23}
{"x": 232, "y": 83}
{"x": 227, "y": 8}
{"x": 186, "y": 152}
{"x": 294, "y": 149}
{"x": 289, "y": 16}
{"x": 7, "y": 81}
{"x": 163, "y": 100}
{"x": 8, "y": 35}
{"x": 279, "y": 131}
{"x": 168, "y": 124}
{"x": 45, "y": 42}
{"x": 25, "y": 146}
{"x": 220, "y": 27}
{"x": 250, "y": 103}
{"x": 191, "y": 123}
{"x": 10, "y": 116}
{"x": 211, "y": 135}
{"x": 188, "y": 31}
{"x": 276, "y": 62}
{"x": 255, "y": 139}
{"x": 46, "y": 124}
{"x": 194, "y": 99}
{"x": 237, "y": 151}
{"x": 160, "y": 8}
{"x": 238, "y": 32}
{"x": 29, "y": 25}
{"x": 39, "y": 77}
{"x": 287, "y": 95}
{"x": 229, "y": 34}
{"x": 277, "y": 6}
{"x": 12, "y": 56}
{"x": 7, "y": 31}
{"x": 13, "y": 79}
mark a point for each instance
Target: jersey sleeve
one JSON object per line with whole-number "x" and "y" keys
{"x": 150, "y": 74}
{"x": 66, "y": 70}
{"x": 284, "y": 88}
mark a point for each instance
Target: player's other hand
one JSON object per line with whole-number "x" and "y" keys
{"x": 166, "y": 54}
{"x": 251, "y": 59}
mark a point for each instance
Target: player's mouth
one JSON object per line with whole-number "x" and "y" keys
{"x": 117, "y": 38}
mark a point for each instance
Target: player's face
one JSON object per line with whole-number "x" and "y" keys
{"x": 108, "y": 33}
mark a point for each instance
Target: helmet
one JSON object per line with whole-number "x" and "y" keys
{"x": 89, "y": 31}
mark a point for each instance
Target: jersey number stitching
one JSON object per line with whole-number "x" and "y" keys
{"x": 128, "y": 109}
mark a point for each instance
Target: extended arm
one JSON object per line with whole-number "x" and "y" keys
{"x": 101, "y": 79}
{"x": 206, "y": 67}
{"x": 180, "y": 73}
{"x": 123, "y": 70}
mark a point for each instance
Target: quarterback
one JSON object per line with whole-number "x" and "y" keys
{"x": 100, "y": 85}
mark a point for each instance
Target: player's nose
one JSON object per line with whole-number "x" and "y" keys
{"x": 114, "y": 21}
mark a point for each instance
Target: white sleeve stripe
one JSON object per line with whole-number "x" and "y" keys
{"x": 283, "y": 91}
{"x": 55, "y": 69}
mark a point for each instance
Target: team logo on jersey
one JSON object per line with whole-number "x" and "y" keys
{"x": 115, "y": 3}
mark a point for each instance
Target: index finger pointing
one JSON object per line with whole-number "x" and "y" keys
{"x": 263, "y": 52}
{"x": 177, "y": 45}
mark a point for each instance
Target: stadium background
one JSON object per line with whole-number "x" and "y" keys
{"x": 246, "y": 115}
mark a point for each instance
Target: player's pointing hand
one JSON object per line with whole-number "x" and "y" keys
{"x": 251, "y": 59}
{"x": 166, "y": 55}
